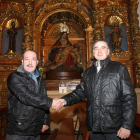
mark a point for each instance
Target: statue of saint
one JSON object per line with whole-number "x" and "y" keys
{"x": 12, "y": 39}
{"x": 116, "y": 37}
{"x": 63, "y": 53}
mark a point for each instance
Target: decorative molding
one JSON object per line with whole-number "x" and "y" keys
{"x": 13, "y": 9}
{"x": 28, "y": 29}
{"x": 54, "y": 8}
{"x": 8, "y": 68}
{"x": 12, "y": 57}
{"x": 120, "y": 53}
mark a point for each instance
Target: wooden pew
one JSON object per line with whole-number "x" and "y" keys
{"x": 66, "y": 131}
{"x": 137, "y": 120}
{"x": 54, "y": 134}
{"x": 82, "y": 122}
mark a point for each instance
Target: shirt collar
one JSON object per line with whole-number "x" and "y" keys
{"x": 97, "y": 64}
{"x": 36, "y": 73}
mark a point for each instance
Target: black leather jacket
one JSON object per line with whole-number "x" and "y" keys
{"x": 28, "y": 106}
{"x": 111, "y": 98}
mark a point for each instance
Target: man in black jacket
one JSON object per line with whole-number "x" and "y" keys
{"x": 28, "y": 103}
{"x": 111, "y": 97}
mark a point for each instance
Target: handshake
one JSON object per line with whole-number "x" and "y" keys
{"x": 58, "y": 103}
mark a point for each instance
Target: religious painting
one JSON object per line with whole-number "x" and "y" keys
{"x": 121, "y": 36}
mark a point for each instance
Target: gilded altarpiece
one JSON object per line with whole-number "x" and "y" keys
{"x": 86, "y": 20}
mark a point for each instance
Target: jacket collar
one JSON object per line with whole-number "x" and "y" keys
{"x": 22, "y": 70}
{"x": 103, "y": 63}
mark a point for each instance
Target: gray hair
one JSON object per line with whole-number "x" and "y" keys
{"x": 99, "y": 41}
{"x": 31, "y": 51}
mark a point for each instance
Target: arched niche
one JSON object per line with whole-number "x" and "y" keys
{"x": 107, "y": 25}
{"x": 46, "y": 24}
{"x": 5, "y": 25}
{"x": 76, "y": 36}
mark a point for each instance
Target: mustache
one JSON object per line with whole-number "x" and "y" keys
{"x": 29, "y": 65}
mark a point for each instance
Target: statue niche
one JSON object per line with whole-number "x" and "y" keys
{"x": 12, "y": 32}
{"x": 64, "y": 56}
{"x": 116, "y": 37}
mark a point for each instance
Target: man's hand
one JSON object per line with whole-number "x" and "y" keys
{"x": 44, "y": 128}
{"x": 123, "y": 133}
{"x": 62, "y": 101}
{"x": 57, "y": 104}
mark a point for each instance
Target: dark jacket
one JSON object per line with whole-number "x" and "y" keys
{"x": 111, "y": 98}
{"x": 28, "y": 105}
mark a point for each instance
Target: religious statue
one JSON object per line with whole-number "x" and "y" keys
{"x": 63, "y": 53}
{"x": 12, "y": 39}
{"x": 116, "y": 37}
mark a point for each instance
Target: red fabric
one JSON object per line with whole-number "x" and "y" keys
{"x": 68, "y": 62}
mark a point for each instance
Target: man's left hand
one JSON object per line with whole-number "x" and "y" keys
{"x": 123, "y": 133}
{"x": 44, "y": 128}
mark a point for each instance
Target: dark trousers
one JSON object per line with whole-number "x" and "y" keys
{"x": 102, "y": 136}
{"x": 18, "y": 137}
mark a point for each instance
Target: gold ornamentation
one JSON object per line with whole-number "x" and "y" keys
{"x": 113, "y": 18}
{"x": 18, "y": 23}
{"x": 85, "y": 20}
{"x": 8, "y": 68}
{"x": 135, "y": 27}
{"x": 14, "y": 9}
{"x": 97, "y": 17}
{"x": 120, "y": 53}
{"x": 48, "y": 21}
{"x": 135, "y": 37}
{"x": 28, "y": 29}
{"x": 14, "y": 57}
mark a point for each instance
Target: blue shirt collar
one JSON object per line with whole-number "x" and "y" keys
{"x": 36, "y": 73}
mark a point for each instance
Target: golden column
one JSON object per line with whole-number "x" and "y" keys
{"x": 97, "y": 20}
{"x": 28, "y": 28}
{"x": 135, "y": 37}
